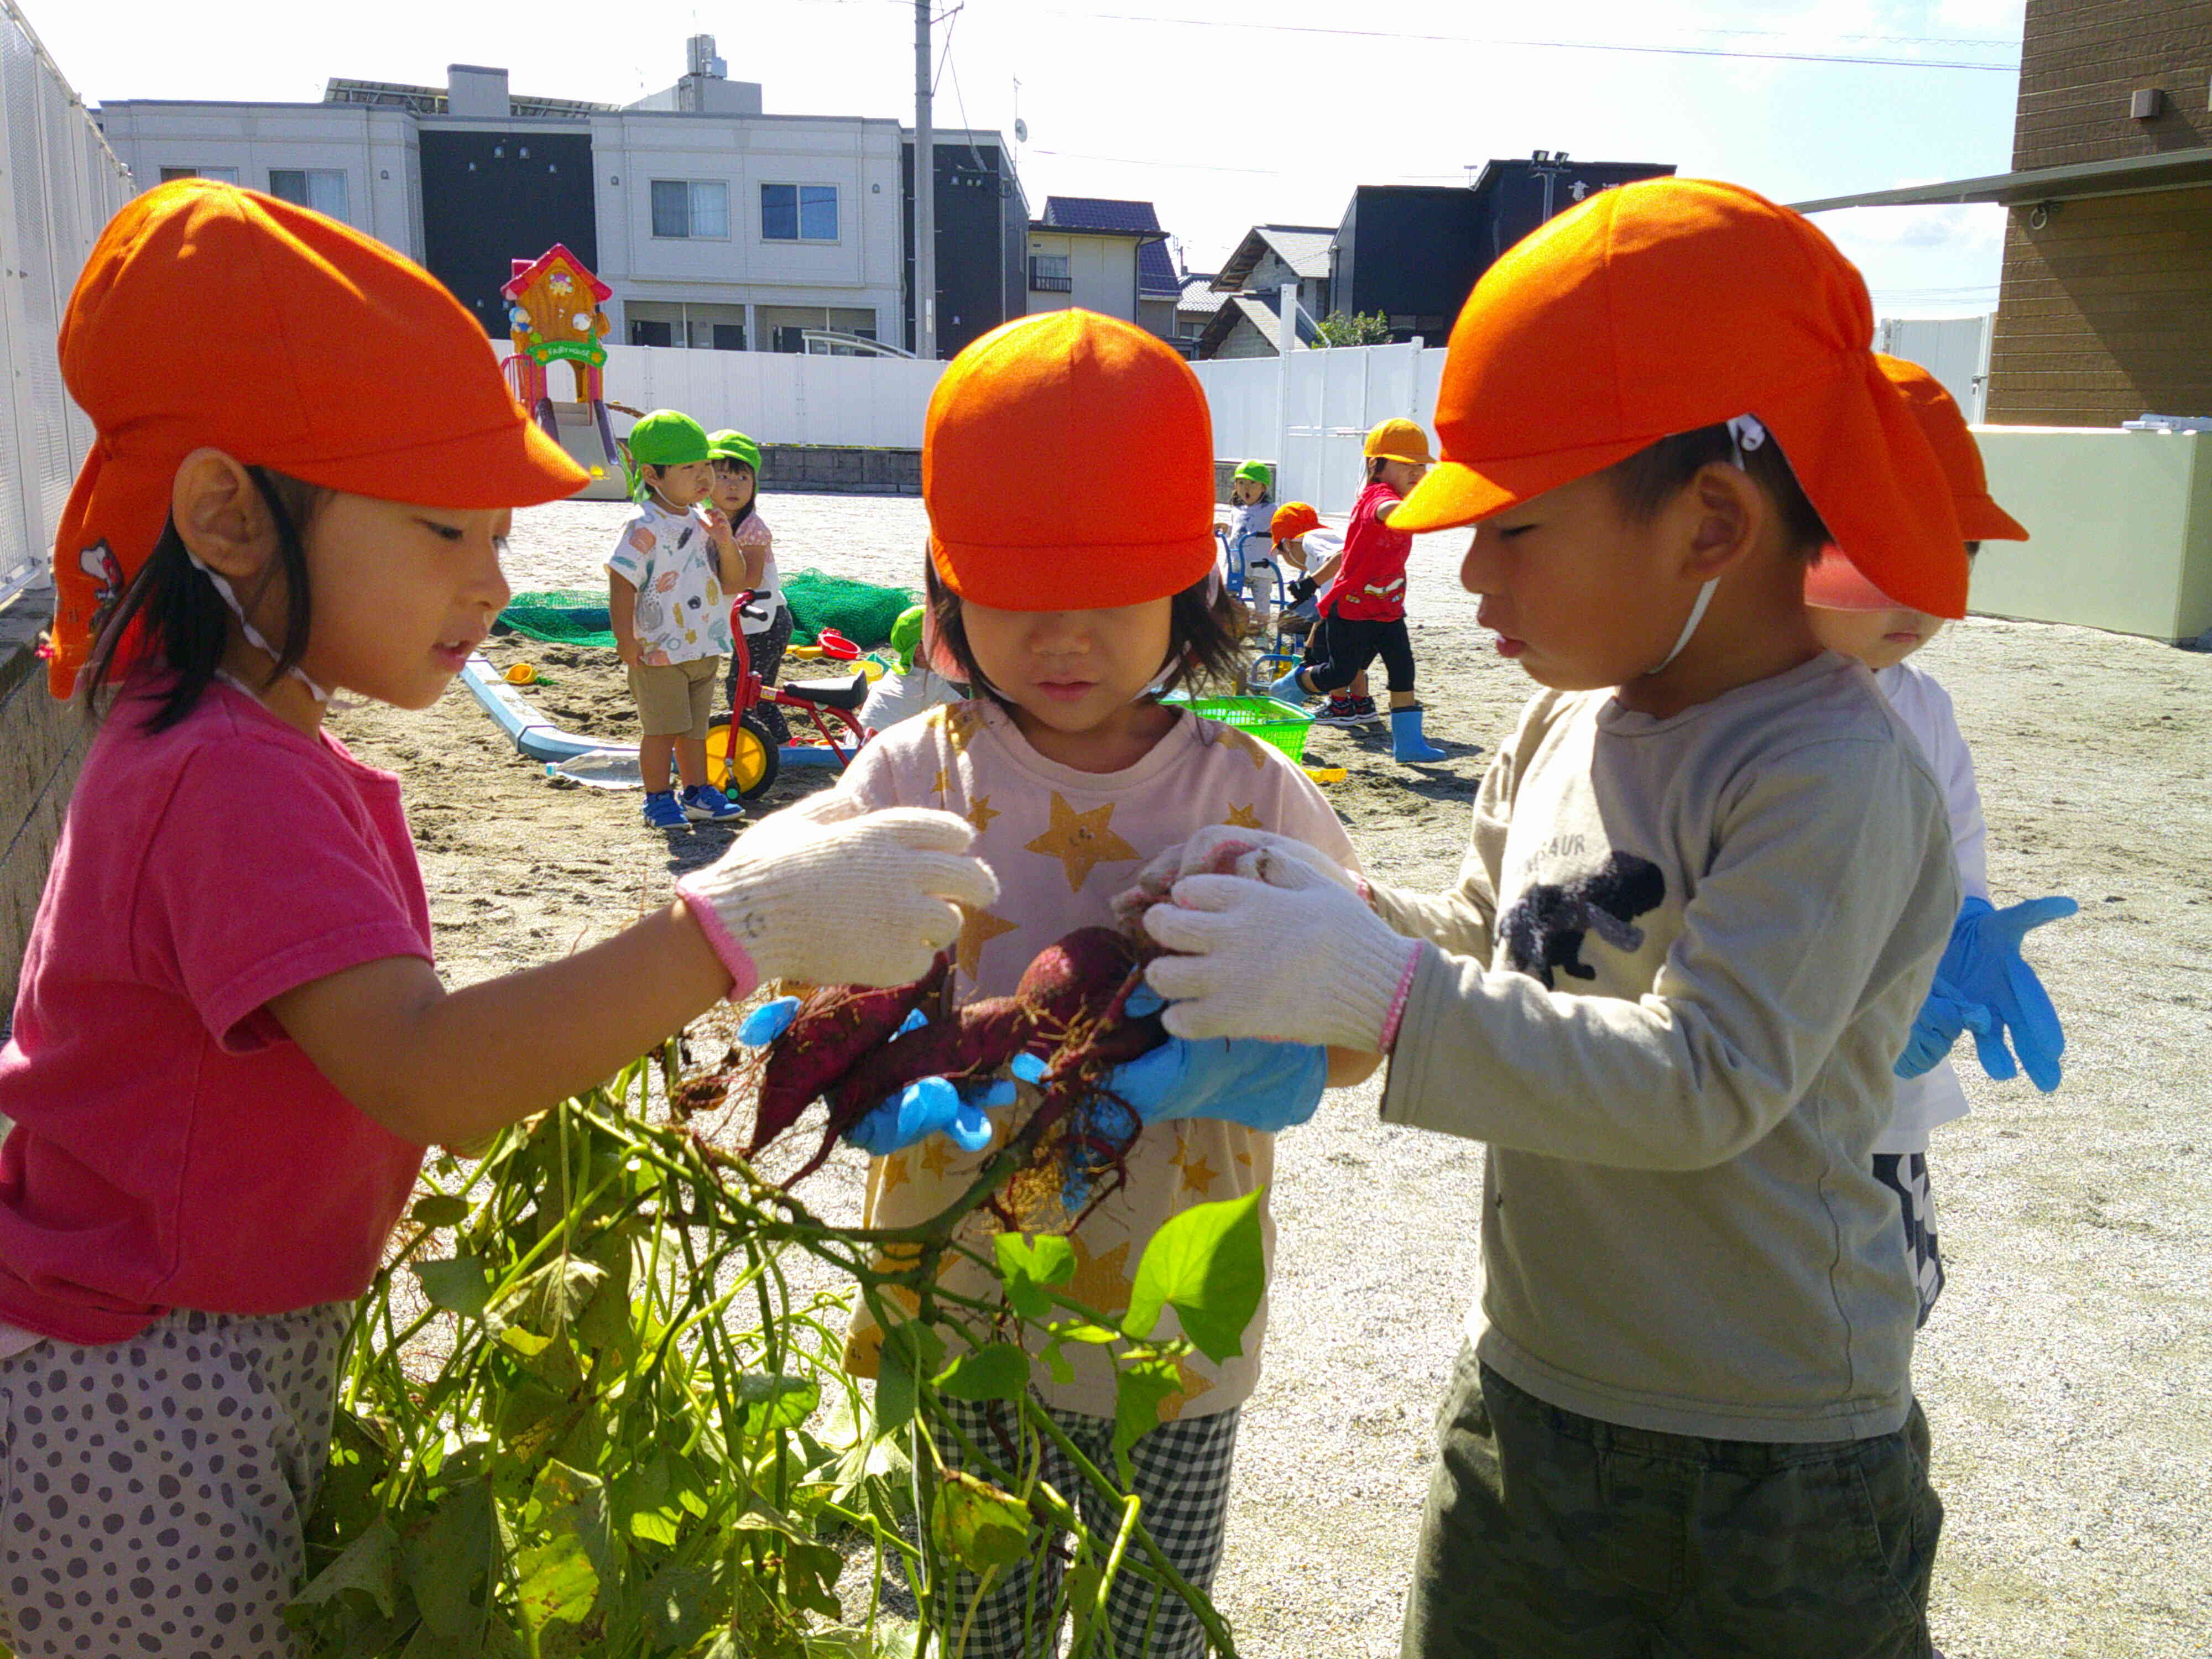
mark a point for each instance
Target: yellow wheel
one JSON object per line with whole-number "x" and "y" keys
{"x": 740, "y": 759}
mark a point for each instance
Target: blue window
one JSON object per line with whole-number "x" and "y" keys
{"x": 685, "y": 207}
{"x": 799, "y": 212}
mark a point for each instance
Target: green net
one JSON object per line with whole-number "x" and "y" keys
{"x": 863, "y": 612}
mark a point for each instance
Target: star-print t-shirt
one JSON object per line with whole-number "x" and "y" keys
{"x": 669, "y": 558}
{"x": 1063, "y": 843}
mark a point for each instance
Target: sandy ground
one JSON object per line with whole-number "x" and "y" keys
{"x": 2067, "y": 1372}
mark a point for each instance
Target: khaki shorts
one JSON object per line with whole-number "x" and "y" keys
{"x": 677, "y": 699}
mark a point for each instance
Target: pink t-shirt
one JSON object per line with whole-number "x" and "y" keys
{"x": 172, "y": 1147}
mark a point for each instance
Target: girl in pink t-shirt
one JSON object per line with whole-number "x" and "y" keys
{"x": 1067, "y": 468}
{"x": 230, "y": 1047}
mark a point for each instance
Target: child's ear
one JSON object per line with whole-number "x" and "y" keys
{"x": 1726, "y": 511}
{"x": 219, "y": 514}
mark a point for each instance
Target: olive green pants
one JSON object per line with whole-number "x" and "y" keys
{"x": 1550, "y": 1535}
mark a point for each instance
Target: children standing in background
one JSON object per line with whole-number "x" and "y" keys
{"x": 665, "y": 580}
{"x": 1850, "y": 615}
{"x": 1362, "y": 614}
{"x": 1070, "y": 600}
{"x": 231, "y": 1046}
{"x": 1250, "y": 490}
{"x": 1709, "y": 881}
{"x": 764, "y": 621}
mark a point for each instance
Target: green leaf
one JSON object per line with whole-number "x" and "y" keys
{"x": 567, "y": 1500}
{"x": 979, "y": 1525}
{"x": 605, "y": 1321}
{"x": 369, "y": 1565}
{"x": 457, "y": 1284}
{"x": 531, "y": 1417}
{"x": 451, "y": 1560}
{"x": 775, "y": 1402}
{"x": 682, "y": 1604}
{"x": 439, "y": 1210}
{"x": 1139, "y": 1388}
{"x": 1082, "y": 1331}
{"x": 643, "y": 1499}
{"x": 1210, "y": 1263}
{"x": 550, "y": 1298}
{"x": 810, "y": 1578}
{"x": 910, "y": 1351}
{"x": 1056, "y": 1363}
{"x": 557, "y": 1584}
{"x": 1031, "y": 1264}
{"x": 998, "y": 1370}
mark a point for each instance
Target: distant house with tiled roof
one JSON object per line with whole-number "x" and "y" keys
{"x": 1271, "y": 255}
{"x": 1194, "y": 308}
{"x": 1247, "y": 326}
{"x": 1104, "y": 255}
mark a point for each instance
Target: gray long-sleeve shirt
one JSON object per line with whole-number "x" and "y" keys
{"x": 1667, "y": 992}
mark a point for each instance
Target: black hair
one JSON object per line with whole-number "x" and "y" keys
{"x": 1652, "y": 477}
{"x": 1206, "y": 630}
{"x": 185, "y": 624}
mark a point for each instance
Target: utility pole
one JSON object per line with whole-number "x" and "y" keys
{"x": 925, "y": 193}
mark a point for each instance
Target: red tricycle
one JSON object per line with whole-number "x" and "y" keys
{"x": 742, "y": 757}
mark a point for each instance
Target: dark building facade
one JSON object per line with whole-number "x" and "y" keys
{"x": 982, "y": 241}
{"x": 1412, "y": 252}
{"x": 2106, "y": 307}
{"x": 488, "y": 194}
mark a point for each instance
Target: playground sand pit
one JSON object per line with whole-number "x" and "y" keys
{"x": 2066, "y": 1373}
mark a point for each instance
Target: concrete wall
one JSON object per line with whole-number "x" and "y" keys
{"x": 827, "y": 470}
{"x": 2122, "y": 529}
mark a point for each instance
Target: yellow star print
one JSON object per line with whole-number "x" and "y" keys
{"x": 944, "y": 783}
{"x": 981, "y": 813}
{"x": 893, "y": 1172}
{"x": 1194, "y": 1382}
{"x": 936, "y": 1155}
{"x": 960, "y": 724}
{"x": 1198, "y": 1176}
{"x": 977, "y": 929}
{"x": 1244, "y": 817}
{"x": 1100, "y": 1282}
{"x": 1081, "y": 840}
{"x": 1252, "y": 749}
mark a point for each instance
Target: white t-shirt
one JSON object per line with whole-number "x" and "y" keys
{"x": 750, "y": 532}
{"x": 682, "y": 613}
{"x": 1936, "y": 1096}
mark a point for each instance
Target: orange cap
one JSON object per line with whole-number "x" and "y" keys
{"x": 1292, "y": 520}
{"x": 1980, "y": 519}
{"x": 1067, "y": 464}
{"x": 1671, "y": 304}
{"x": 212, "y": 316}
{"x": 1396, "y": 440}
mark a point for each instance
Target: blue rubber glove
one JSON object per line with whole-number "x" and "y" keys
{"x": 1263, "y": 1085}
{"x": 1984, "y": 968}
{"x": 936, "y": 1105}
{"x": 1936, "y": 1027}
{"x": 768, "y": 1022}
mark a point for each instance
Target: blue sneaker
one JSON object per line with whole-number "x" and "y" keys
{"x": 704, "y": 804}
{"x": 662, "y": 811}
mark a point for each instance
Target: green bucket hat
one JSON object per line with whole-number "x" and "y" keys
{"x": 906, "y": 637}
{"x": 668, "y": 437}
{"x": 1258, "y": 472}
{"x": 727, "y": 445}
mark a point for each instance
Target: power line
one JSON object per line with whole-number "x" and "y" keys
{"x": 1561, "y": 45}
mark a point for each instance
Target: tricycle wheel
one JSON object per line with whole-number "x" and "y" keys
{"x": 741, "y": 759}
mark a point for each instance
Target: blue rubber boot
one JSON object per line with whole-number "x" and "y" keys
{"x": 1288, "y": 690}
{"x": 1406, "y": 743}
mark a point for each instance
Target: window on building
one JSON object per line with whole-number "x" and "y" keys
{"x": 227, "y": 175}
{"x": 323, "y": 189}
{"x": 729, "y": 337}
{"x": 1048, "y": 273}
{"x": 799, "y": 212}
{"x": 645, "y": 333}
{"x": 692, "y": 208}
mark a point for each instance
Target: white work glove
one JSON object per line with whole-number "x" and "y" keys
{"x": 1235, "y": 935}
{"x": 827, "y": 892}
{"x": 1227, "y": 849}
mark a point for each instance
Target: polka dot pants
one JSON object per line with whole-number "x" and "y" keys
{"x": 153, "y": 1492}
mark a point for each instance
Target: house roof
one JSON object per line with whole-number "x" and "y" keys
{"x": 1257, "y": 309}
{"x": 2171, "y": 169}
{"x": 1099, "y": 213}
{"x": 1156, "y": 272}
{"x": 1303, "y": 248}
{"x": 528, "y": 272}
{"x": 1199, "y": 294}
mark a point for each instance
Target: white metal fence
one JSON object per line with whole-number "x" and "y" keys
{"x": 59, "y": 184}
{"x": 1309, "y": 411}
{"x": 777, "y": 398}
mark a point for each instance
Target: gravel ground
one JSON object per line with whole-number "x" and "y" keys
{"x": 2066, "y": 1373}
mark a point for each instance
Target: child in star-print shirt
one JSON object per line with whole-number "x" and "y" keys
{"x": 1063, "y": 843}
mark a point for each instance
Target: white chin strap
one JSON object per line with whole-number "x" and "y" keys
{"x": 1745, "y": 434}
{"x": 230, "y": 596}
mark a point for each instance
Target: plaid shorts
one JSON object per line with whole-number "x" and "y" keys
{"x": 1182, "y": 1476}
{"x": 1906, "y": 1174}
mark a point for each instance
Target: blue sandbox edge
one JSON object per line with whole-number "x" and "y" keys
{"x": 541, "y": 740}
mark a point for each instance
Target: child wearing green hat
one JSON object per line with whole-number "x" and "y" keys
{"x": 1251, "y": 493}
{"x": 666, "y": 578}
{"x": 765, "y": 620}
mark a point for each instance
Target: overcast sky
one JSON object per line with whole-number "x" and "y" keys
{"x": 1226, "y": 115}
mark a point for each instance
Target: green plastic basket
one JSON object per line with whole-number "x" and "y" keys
{"x": 1268, "y": 719}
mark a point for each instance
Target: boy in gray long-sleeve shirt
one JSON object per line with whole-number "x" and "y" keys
{"x": 1709, "y": 882}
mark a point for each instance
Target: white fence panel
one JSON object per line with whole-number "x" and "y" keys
{"x": 1954, "y": 349}
{"x": 61, "y": 185}
{"x": 778, "y": 398}
{"x": 1310, "y": 420}
{"x": 1240, "y": 393}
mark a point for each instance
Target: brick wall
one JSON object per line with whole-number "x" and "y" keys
{"x": 2107, "y": 308}
{"x": 2106, "y": 312}
{"x": 2080, "y": 59}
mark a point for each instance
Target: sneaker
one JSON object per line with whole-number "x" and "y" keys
{"x": 662, "y": 811}
{"x": 704, "y": 804}
{"x": 1365, "y": 709}
{"x": 1341, "y": 711}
